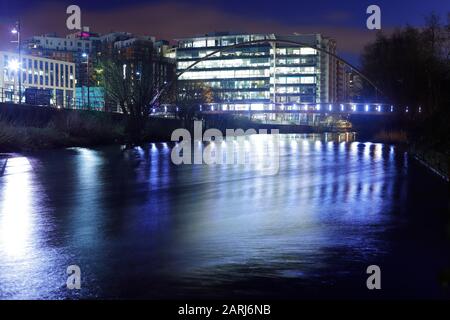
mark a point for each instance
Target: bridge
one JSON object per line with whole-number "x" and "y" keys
{"x": 274, "y": 106}
{"x": 292, "y": 113}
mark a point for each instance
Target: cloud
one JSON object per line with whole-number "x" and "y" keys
{"x": 176, "y": 20}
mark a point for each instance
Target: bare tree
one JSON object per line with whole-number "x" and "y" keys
{"x": 190, "y": 98}
{"x": 130, "y": 86}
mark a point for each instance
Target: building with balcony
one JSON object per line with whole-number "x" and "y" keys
{"x": 137, "y": 53}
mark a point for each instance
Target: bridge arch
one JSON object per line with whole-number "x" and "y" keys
{"x": 269, "y": 41}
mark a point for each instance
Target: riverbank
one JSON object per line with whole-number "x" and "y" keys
{"x": 29, "y": 128}
{"x": 435, "y": 160}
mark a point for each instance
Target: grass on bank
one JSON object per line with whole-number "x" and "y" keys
{"x": 74, "y": 129}
{"x": 391, "y": 137}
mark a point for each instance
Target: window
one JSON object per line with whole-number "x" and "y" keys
{"x": 66, "y": 77}
{"x": 57, "y": 74}
{"x": 308, "y": 80}
{"x": 307, "y": 51}
{"x": 199, "y": 43}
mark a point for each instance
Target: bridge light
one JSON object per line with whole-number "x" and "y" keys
{"x": 165, "y": 109}
{"x": 317, "y": 107}
{"x": 342, "y": 107}
{"x": 201, "y": 107}
{"x": 212, "y": 108}
{"x": 392, "y": 108}
{"x": 353, "y": 107}
{"x": 330, "y": 107}
{"x": 407, "y": 109}
{"x": 378, "y": 108}
{"x": 420, "y": 109}
{"x": 367, "y": 107}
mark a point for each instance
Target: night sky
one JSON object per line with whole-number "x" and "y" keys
{"x": 343, "y": 20}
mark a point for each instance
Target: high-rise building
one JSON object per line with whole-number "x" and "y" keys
{"x": 135, "y": 52}
{"x": 354, "y": 86}
{"x": 342, "y": 85}
{"x": 86, "y": 49}
{"x": 263, "y": 74}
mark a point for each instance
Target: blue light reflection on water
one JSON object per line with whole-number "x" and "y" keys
{"x": 139, "y": 226}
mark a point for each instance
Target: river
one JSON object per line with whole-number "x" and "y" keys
{"x": 139, "y": 226}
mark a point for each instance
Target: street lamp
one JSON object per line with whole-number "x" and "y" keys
{"x": 86, "y": 56}
{"x": 13, "y": 65}
{"x": 16, "y": 31}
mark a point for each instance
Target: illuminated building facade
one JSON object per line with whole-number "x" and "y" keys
{"x": 262, "y": 75}
{"x": 79, "y": 47}
{"x": 37, "y": 76}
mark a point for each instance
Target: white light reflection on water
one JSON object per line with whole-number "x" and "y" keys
{"x": 16, "y": 220}
{"x": 28, "y": 266}
{"x": 134, "y": 219}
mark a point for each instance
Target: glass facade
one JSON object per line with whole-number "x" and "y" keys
{"x": 259, "y": 75}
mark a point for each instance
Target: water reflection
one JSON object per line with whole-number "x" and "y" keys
{"x": 27, "y": 263}
{"x": 16, "y": 219}
{"x": 140, "y": 226}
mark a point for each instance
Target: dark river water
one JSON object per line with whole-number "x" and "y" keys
{"x": 139, "y": 226}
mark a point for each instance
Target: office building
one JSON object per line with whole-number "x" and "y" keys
{"x": 39, "y": 80}
{"x": 79, "y": 47}
{"x": 261, "y": 75}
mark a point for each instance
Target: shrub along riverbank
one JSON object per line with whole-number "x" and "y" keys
{"x": 26, "y": 128}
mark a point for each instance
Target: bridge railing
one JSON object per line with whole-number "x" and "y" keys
{"x": 322, "y": 108}
{"x": 97, "y": 102}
